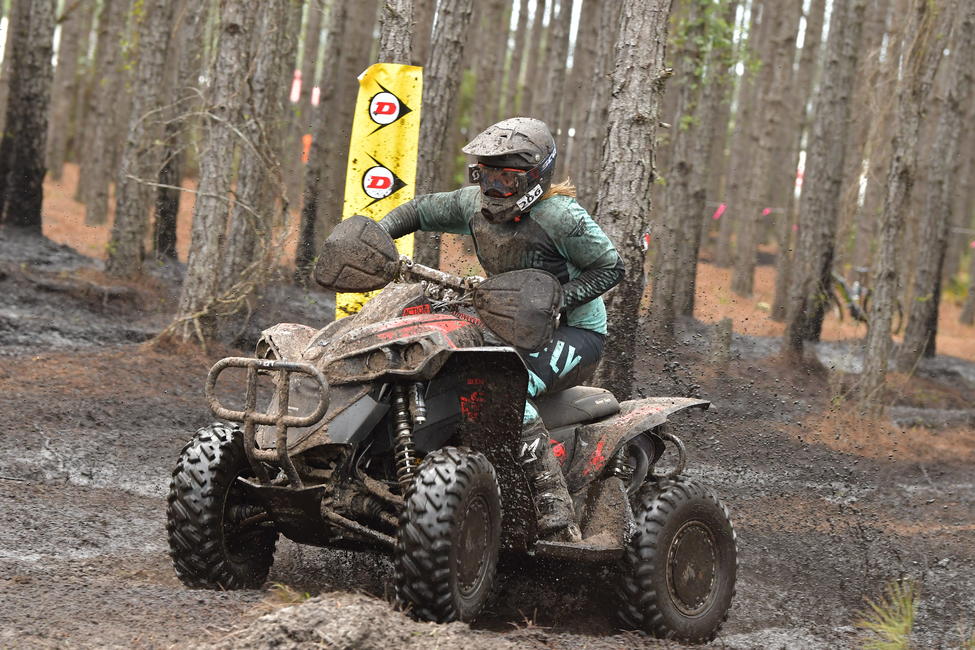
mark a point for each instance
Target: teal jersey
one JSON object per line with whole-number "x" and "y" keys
{"x": 557, "y": 236}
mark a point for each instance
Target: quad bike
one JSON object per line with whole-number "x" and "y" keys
{"x": 396, "y": 430}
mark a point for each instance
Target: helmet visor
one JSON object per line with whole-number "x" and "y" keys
{"x": 497, "y": 182}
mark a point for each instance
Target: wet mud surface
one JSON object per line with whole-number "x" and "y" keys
{"x": 828, "y": 509}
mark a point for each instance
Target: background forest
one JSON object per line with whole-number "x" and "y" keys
{"x": 773, "y": 172}
{"x": 865, "y": 98}
{"x": 685, "y": 121}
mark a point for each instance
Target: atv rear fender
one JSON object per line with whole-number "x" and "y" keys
{"x": 599, "y": 442}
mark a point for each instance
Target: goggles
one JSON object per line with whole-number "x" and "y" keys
{"x": 497, "y": 182}
{"x": 502, "y": 182}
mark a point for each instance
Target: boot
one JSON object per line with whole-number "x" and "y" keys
{"x": 556, "y": 516}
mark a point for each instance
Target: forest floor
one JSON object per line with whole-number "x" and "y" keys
{"x": 828, "y": 507}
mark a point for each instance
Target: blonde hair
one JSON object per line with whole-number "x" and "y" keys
{"x": 565, "y": 188}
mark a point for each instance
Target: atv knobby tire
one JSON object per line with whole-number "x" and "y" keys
{"x": 206, "y": 505}
{"x": 680, "y": 566}
{"x": 450, "y": 531}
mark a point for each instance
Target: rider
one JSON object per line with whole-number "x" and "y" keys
{"x": 519, "y": 220}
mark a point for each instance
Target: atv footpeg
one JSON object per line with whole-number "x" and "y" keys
{"x": 599, "y": 548}
{"x": 280, "y": 419}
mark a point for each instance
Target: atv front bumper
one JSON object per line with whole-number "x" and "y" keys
{"x": 250, "y": 416}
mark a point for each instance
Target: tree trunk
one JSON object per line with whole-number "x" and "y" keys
{"x": 534, "y": 65}
{"x": 97, "y": 143}
{"x": 556, "y": 63}
{"x": 423, "y": 15}
{"x": 318, "y": 156}
{"x": 355, "y": 52}
{"x": 225, "y": 102}
{"x": 22, "y": 151}
{"x": 624, "y": 201}
{"x": 578, "y": 84}
{"x": 923, "y": 45}
{"x": 396, "y": 31}
{"x": 75, "y": 26}
{"x": 516, "y": 59}
{"x": 943, "y": 163}
{"x": 676, "y": 255}
{"x": 743, "y": 125}
{"x": 593, "y": 133}
{"x": 775, "y": 80}
{"x": 967, "y": 316}
{"x": 186, "y": 59}
{"x": 820, "y": 201}
{"x": 492, "y": 42}
{"x": 247, "y": 253}
{"x": 705, "y": 126}
{"x": 142, "y": 157}
{"x": 440, "y": 98}
{"x": 16, "y": 24}
{"x": 794, "y": 131}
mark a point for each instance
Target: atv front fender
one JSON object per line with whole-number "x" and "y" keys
{"x": 286, "y": 340}
{"x": 599, "y": 442}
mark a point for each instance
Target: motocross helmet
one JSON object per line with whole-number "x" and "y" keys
{"x": 515, "y": 162}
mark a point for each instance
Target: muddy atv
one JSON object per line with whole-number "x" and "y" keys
{"x": 395, "y": 430}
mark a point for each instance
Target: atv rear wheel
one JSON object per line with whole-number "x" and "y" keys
{"x": 447, "y": 546}
{"x": 217, "y": 538}
{"x": 680, "y": 566}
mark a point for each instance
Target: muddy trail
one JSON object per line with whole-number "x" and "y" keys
{"x": 828, "y": 509}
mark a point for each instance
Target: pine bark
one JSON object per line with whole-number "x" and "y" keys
{"x": 22, "y": 148}
{"x": 186, "y": 65}
{"x": 492, "y": 43}
{"x": 943, "y": 163}
{"x": 355, "y": 52}
{"x": 396, "y": 31}
{"x": 624, "y": 201}
{"x": 578, "y": 83}
{"x": 441, "y": 87}
{"x": 556, "y": 65}
{"x": 225, "y": 102}
{"x": 142, "y": 157}
{"x": 259, "y": 176}
{"x": 825, "y": 159}
{"x": 676, "y": 234}
{"x": 424, "y": 12}
{"x": 593, "y": 132}
{"x": 743, "y": 122}
{"x": 773, "y": 89}
{"x": 516, "y": 59}
{"x": 75, "y": 26}
{"x": 923, "y": 45}
{"x": 534, "y": 65}
{"x": 107, "y": 81}
{"x": 318, "y": 159}
{"x": 794, "y": 132}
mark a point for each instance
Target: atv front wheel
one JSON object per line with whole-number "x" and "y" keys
{"x": 680, "y": 566}
{"x": 447, "y": 546}
{"x": 217, "y": 538}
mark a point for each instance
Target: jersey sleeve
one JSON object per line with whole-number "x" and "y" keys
{"x": 448, "y": 211}
{"x": 440, "y": 212}
{"x": 584, "y": 244}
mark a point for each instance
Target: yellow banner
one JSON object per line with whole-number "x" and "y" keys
{"x": 382, "y": 153}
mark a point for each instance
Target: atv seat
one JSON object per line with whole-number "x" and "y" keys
{"x": 576, "y": 405}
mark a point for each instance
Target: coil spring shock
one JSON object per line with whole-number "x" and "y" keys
{"x": 621, "y": 468}
{"x": 405, "y": 451}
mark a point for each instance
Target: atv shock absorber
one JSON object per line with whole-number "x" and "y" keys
{"x": 621, "y": 468}
{"x": 405, "y": 451}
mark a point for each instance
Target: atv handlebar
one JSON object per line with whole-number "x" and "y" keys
{"x": 411, "y": 270}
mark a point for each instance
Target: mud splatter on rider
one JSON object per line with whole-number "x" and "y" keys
{"x": 519, "y": 220}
